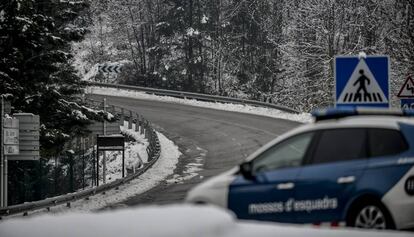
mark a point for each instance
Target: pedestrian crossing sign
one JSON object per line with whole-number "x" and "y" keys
{"x": 362, "y": 81}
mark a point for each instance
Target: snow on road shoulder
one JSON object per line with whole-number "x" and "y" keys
{"x": 163, "y": 168}
{"x": 269, "y": 112}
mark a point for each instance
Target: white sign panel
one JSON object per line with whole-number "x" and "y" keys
{"x": 11, "y": 136}
{"x": 11, "y": 150}
{"x": 10, "y": 123}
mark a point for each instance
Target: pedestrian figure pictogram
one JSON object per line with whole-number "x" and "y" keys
{"x": 361, "y": 81}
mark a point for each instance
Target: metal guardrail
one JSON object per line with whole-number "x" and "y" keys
{"x": 154, "y": 151}
{"x": 197, "y": 96}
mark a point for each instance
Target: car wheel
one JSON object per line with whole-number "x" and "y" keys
{"x": 370, "y": 216}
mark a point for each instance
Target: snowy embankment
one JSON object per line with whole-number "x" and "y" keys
{"x": 163, "y": 168}
{"x": 269, "y": 112}
{"x": 159, "y": 172}
{"x": 135, "y": 155}
{"x": 173, "y": 220}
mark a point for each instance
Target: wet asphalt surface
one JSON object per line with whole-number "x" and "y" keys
{"x": 212, "y": 140}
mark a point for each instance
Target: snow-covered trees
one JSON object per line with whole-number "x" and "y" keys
{"x": 35, "y": 68}
{"x": 35, "y": 41}
{"x": 271, "y": 50}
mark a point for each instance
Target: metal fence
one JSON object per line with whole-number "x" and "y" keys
{"x": 78, "y": 161}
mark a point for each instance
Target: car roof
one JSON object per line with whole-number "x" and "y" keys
{"x": 358, "y": 121}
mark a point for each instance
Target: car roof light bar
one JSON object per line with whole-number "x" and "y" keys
{"x": 337, "y": 113}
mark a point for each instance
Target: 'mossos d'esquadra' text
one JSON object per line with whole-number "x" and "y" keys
{"x": 292, "y": 205}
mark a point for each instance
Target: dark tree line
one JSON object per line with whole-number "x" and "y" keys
{"x": 271, "y": 50}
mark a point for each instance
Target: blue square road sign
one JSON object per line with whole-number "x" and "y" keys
{"x": 362, "y": 82}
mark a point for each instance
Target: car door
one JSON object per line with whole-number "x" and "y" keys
{"x": 274, "y": 171}
{"x": 325, "y": 184}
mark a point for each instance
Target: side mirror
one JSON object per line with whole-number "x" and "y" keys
{"x": 246, "y": 169}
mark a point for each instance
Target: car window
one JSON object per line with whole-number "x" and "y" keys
{"x": 384, "y": 142}
{"x": 340, "y": 145}
{"x": 288, "y": 153}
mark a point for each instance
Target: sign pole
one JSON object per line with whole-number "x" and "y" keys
{"x": 83, "y": 161}
{"x": 5, "y": 182}
{"x": 123, "y": 161}
{"x": 97, "y": 162}
{"x": 104, "y": 152}
{"x": 2, "y": 154}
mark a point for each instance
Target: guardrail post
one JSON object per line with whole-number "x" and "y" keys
{"x": 137, "y": 123}
{"x": 146, "y": 129}
{"x": 121, "y": 119}
{"x": 141, "y": 125}
{"x": 130, "y": 120}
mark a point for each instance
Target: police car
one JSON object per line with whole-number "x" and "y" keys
{"x": 351, "y": 167}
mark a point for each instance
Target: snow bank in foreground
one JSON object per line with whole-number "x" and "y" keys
{"x": 157, "y": 221}
{"x": 274, "y": 113}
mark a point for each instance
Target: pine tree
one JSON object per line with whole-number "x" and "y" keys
{"x": 35, "y": 68}
{"x": 35, "y": 48}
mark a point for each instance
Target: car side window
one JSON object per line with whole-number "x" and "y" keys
{"x": 288, "y": 153}
{"x": 340, "y": 145}
{"x": 385, "y": 142}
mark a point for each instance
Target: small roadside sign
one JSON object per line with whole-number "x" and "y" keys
{"x": 7, "y": 107}
{"x": 111, "y": 142}
{"x": 362, "y": 81}
{"x": 11, "y": 150}
{"x": 10, "y": 123}
{"x": 407, "y": 90}
{"x": 407, "y": 103}
{"x": 110, "y": 68}
{"x": 28, "y": 137}
{"x": 11, "y": 136}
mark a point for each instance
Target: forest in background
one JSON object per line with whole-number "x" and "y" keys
{"x": 269, "y": 50}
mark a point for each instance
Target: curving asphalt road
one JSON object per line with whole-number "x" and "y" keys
{"x": 216, "y": 139}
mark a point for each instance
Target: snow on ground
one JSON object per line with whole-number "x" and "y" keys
{"x": 274, "y": 113}
{"x": 163, "y": 168}
{"x": 191, "y": 169}
{"x": 159, "y": 172}
{"x": 135, "y": 155}
{"x": 173, "y": 221}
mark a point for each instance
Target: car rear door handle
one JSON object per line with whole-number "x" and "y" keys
{"x": 285, "y": 186}
{"x": 346, "y": 179}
